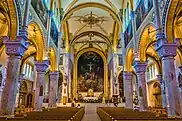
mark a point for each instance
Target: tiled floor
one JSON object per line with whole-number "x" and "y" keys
{"x": 90, "y": 111}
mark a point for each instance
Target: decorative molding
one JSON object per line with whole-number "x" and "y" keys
{"x": 140, "y": 66}
{"x": 17, "y": 47}
{"x": 166, "y": 49}
{"x": 42, "y": 66}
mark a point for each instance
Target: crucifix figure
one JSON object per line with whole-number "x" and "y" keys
{"x": 90, "y": 65}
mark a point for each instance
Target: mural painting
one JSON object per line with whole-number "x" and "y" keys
{"x": 41, "y": 10}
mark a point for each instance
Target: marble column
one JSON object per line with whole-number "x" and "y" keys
{"x": 15, "y": 50}
{"x": 132, "y": 15}
{"x": 163, "y": 90}
{"x": 115, "y": 78}
{"x": 140, "y": 68}
{"x": 41, "y": 68}
{"x": 67, "y": 77}
{"x": 128, "y": 89}
{"x": 167, "y": 52}
{"x": 49, "y": 18}
{"x": 26, "y": 16}
{"x": 54, "y": 76}
{"x": 21, "y": 77}
{"x": 157, "y": 17}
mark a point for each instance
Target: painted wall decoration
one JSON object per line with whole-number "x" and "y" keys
{"x": 90, "y": 72}
{"x": 142, "y": 11}
{"x": 128, "y": 34}
{"x": 54, "y": 32}
{"x": 41, "y": 10}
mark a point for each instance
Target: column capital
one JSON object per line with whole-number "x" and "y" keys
{"x": 42, "y": 66}
{"x": 166, "y": 49}
{"x": 140, "y": 66}
{"x": 127, "y": 75}
{"x": 16, "y": 47}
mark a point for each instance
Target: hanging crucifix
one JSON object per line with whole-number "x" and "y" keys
{"x": 90, "y": 66}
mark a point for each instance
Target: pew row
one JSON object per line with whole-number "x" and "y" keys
{"x": 56, "y": 114}
{"x": 121, "y": 114}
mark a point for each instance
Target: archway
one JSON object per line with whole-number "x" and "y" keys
{"x": 29, "y": 100}
{"x": 105, "y": 68}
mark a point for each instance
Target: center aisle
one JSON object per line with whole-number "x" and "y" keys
{"x": 91, "y": 111}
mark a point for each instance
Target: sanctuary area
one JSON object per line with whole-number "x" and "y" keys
{"x": 90, "y": 60}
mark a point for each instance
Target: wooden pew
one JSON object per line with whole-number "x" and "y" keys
{"x": 56, "y": 114}
{"x": 121, "y": 114}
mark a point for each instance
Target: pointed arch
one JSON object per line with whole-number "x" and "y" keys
{"x": 35, "y": 36}
{"x": 129, "y": 60}
{"x": 147, "y": 38}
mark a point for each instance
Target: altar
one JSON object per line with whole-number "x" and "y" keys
{"x": 90, "y": 99}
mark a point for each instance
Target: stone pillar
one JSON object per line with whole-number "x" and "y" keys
{"x": 134, "y": 29}
{"x": 157, "y": 16}
{"x": 167, "y": 52}
{"x": 140, "y": 68}
{"x": 66, "y": 77}
{"x": 163, "y": 90}
{"x": 54, "y": 76}
{"x": 49, "y": 18}
{"x": 41, "y": 68}
{"x": 15, "y": 50}
{"x": 128, "y": 89}
{"x": 115, "y": 78}
{"x": 26, "y": 15}
{"x": 21, "y": 77}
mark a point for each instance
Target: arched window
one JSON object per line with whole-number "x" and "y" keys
{"x": 28, "y": 70}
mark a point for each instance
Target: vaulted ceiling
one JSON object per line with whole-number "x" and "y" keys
{"x": 92, "y": 22}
